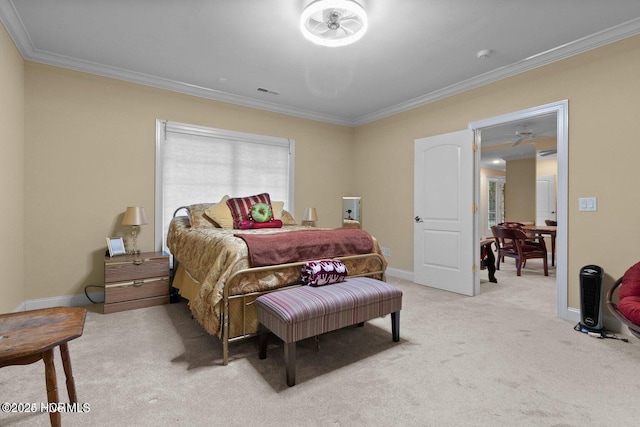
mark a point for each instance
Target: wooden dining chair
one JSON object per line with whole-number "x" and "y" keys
{"x": 514, "y": 243}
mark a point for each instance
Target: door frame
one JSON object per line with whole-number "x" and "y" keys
{"x": 561, "y": 109}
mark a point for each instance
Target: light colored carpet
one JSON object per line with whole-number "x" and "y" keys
{"x": 498, "y": 359}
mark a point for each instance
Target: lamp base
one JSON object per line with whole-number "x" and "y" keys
{"x": 134, "y": 239}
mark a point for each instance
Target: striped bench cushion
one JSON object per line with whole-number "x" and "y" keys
{"x": 302, "y": 312}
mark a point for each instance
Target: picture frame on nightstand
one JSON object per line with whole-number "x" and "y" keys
{"x": 116, "y": 246}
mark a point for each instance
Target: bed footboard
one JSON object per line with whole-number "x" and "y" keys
{"x": 369, "y": 265}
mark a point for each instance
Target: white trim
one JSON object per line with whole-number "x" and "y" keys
{"x": 611, "y": 35}
{"x": 400, "y": 274}
{"x": 77, "y": 300}
{"x": 561, "y": 109}
{"x": 573, "y": 314}
{"x": 16, "y": 29}
{"x": 158, "y": 185}
{"x": 609, "y": 323}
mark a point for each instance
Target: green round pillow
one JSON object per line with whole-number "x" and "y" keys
{"x": 261, "y": 212}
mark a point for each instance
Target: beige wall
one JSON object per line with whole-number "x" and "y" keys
{"x": 11, "y": 174}
{"x": 546, "y": 166}
{"x": 602, "y": 87}
{"x": 90, "y": 147}
{"x": 520, "y": 191}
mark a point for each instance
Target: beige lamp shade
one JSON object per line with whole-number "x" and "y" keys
{"x": 310, "y": 214}
{"x": 134, "y": 216}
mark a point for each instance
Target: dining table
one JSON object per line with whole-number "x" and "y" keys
{"x": 549, "y": 230}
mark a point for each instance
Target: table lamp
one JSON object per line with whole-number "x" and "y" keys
{"x": 134, "y": 216}
{"x": 310, "y": 216}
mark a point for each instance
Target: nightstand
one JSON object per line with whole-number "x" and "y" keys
{"x": 135, "y": 281}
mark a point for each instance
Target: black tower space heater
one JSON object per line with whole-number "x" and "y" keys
{"x": 590, "y": 293}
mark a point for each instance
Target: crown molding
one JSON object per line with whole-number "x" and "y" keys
{"x": 602, "y": 38}
{"x": 12, "y": 22}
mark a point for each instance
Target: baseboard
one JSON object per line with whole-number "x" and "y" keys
{"x": 21, "y": 307}
{"x": 400, "y": 274}
{"x": 609, "y": 323}
{"x": 573, "y": 314}
{"x": 76, "y": 300}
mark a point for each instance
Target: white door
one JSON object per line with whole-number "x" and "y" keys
{"x": 443, "y": 202}
{"x": 545, "y": 198}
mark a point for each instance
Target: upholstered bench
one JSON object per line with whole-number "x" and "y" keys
{"x": 297, "y": 313}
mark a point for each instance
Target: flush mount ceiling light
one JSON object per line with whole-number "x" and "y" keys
{"x": 333, "y": 22}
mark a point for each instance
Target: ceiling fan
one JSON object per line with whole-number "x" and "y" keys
{"x": 544, "y": 153}
{"x": 522, "y": 135}
{"x": 333, "y": 23}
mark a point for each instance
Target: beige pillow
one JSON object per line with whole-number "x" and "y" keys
{"x": 220, "y": 213}
{"x": 287, "y": 218}
{"x": 197, "y": 218}
{"x": 277, "y": 209}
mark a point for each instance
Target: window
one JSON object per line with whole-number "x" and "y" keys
{"x": 197, "y": 164}
{"x": 495, "y": 201}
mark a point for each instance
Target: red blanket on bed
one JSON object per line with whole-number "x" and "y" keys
{"x": 306, "y": 245}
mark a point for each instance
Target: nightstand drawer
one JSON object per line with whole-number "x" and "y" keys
{"x": 136, "y": 303}
{"x": 132, "y": 268}
{"x": 136, "y": 289}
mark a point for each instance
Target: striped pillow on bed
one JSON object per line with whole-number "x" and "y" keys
{"x": 241, "y": 207}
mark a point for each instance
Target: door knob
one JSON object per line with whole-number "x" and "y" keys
{"x": 418, "y": 219}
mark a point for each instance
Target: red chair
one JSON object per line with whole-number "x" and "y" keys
{"x": 627, "y": 309}
{"x": 514, "y": 243}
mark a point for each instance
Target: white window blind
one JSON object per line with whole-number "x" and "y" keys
{"x": 197, "y": 164}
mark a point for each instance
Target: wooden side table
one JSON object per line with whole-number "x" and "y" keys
{"x": 136, "y": 281}
{"x": 29, "y": 336}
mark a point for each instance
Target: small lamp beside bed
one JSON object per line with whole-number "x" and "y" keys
{"x": 134, "y": 216}
{"x": 310, "y": 217}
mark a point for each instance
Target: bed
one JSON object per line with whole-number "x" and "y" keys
{"x": 213, "y": 270}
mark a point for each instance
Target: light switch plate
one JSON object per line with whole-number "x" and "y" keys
{"x": 587, "y": 204}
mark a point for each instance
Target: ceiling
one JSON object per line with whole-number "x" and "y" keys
{"x": 415, "y": 51}
{"x": 516, "y": 140}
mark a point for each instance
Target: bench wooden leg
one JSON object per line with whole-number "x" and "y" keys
{"x": 395, "y": 326}
{"x": 290, "y": 362}
{"x": 264, "y": 338}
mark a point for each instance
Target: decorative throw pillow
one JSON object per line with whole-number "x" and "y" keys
{"x": 197, "y": 218}
{"x": 248, "y": 225}
{"x": 287, "y": 218}
{"x": 277, "y": 209}
{"x": 323, "y": 272}
{"x": 220, "y": 213}
{"x": 261, "y": 212}
{"x": 241, "y": 207}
